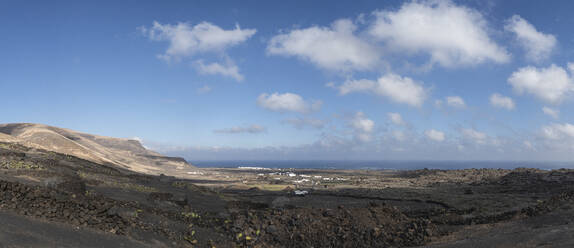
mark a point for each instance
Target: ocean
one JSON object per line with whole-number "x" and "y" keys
{"x": 381, "y": 165}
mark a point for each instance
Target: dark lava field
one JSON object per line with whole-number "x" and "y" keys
{"x": 49, "y": 199}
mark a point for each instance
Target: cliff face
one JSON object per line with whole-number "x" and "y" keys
{"x": 125, "y": 153}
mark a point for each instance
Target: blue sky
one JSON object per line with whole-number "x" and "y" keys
{"x": 441, "y": 80}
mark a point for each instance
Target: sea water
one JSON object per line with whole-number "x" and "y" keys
{"x": 381, "y": 165}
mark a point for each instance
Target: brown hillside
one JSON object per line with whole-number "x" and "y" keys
{"x": 125, "y": 153}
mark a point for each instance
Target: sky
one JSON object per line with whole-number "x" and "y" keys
{"x": 298, "y": 80}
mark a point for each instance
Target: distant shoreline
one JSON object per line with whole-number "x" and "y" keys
{"x": 381, "y": 165}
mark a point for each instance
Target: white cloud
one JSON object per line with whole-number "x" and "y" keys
{"x": 474, "y": 135}
{"x": 396, "y": 119}
{"x": 301, "y": 123}
{"x": 229, "y": 69}
{"x": 398, "y": 135}
{"x": 558, "y": 131}
{"x": 435, "y": 135}
{"x": 249, "y": 129}
{"x": 331, "y": 85}
{"x": 396, "y": 88}
{"x": 455, "y": 101}
{"x": 498, "y": 100}
{"x": 451, "y": 35}
{"x": 186, "y": 40}
{"x": 333, "y": 48}
{"x": 203, "y": 90}
{"x": 141, "y": 141}
{"x": 362, "y": 126}
{"x": 538, "y": 46}
{"x": 361, "y": 85}
{"x": 401, "y": 89}
{"x": 287, "y": 102}
{"x": 551, "y": 84}
{"x": 551, "y": 112}
{"x": 559, "y": 137}
{"x": 360, "y": 143}
{"x": 362, "y": 123}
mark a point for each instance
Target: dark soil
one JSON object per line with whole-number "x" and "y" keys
{"x": 373, "y": 226}
{"x": 377, "y": 209}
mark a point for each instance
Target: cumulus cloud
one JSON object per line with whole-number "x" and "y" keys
{"x": 361, "y": 85}
{"x": 475, "y": 136}
{"x": 450, "y": 34}
{"x": 333, "y": 48}
{"x": 455, "y": 102}
{"x": 396, "y": 119}
{"x": 301, "y": 123}
{"x": 500, "y": 101}
{"x": 362, "y": 126}
{"x": 551, "y": 112}
{"x": 435, "y": 135}
{"x": 558, "y": 137}
{"x": 229, "y": 69}
{"x": 396, "y": 88}
{"x": 235, "y": 130}
{"x": 186, "y": 39}
{"x": 558, "y": 131}
{"x": 362, "y": 123}
{"x": 402, "y": 89}
{"x": 552, "y": 84}
{"x": 287, "y": 102}
{"x": 538, "y": 46}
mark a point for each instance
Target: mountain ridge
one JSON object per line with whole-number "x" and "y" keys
{"x": 125, "y": 153}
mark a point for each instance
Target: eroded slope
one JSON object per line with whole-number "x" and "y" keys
{"x": 125, "y": 153}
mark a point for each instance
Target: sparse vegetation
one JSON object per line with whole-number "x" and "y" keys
{"x": 131, "y": 186}
{"x": 20, "y": 165}
{"x": 5, "y": 145}
{"x": 271, "y": 187}
{"x": 116, "y": 184}
{"x": 183, "y": 185}
{"x": 191, "y": 215}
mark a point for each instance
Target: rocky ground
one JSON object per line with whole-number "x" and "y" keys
{"x": 49, "y": 199}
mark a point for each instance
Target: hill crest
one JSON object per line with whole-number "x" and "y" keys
{"x": 125, "y": 153}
